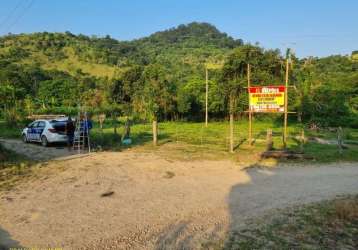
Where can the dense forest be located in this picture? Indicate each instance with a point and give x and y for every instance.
(162, 76)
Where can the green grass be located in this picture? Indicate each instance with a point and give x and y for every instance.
(216, 135)
(215, 138)
(13, 131)
(325, 225)
(330, 153)
(71, 64)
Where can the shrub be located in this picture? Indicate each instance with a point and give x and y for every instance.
(13, 116)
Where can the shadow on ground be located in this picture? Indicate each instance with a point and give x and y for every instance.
(241, 206)
(6, 241)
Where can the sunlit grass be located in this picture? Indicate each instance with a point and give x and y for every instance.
(214, 139)
(72, 64)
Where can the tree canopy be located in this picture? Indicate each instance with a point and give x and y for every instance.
(164, 75)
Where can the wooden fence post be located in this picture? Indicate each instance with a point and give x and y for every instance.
(231, 133)
(269, 142)
(340, 140)
(155, 132)
(302, 140)
(101, 118)
(114, 120)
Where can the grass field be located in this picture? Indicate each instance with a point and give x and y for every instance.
(215, 138)
(323, 225)
(13, 131)
(71, 64)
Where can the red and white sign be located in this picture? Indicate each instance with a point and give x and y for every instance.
(267, 99)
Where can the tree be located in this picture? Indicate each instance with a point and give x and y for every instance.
(157, 94)
(234, 80)
(106, 73)
(190, 97)
(58, 92)
(124, 90)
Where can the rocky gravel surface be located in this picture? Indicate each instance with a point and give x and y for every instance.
(155, 203)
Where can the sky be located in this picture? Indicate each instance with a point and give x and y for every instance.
(310, 28)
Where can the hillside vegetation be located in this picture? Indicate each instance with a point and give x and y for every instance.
(162, 76)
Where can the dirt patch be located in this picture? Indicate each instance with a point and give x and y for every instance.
(155, 203)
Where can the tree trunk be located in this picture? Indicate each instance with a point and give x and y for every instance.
(127, 129)
(114, 120)
(299, 116)
(155, 132)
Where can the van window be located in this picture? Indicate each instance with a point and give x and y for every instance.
(32, 125)
(41, 124)
(59, 125)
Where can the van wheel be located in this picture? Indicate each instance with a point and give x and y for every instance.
(44, 141)
(24, 138)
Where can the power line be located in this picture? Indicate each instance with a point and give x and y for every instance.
(21, 15)
(8, 17)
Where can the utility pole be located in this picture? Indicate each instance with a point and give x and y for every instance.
(206, 96)
(250, 114)
(286, 100)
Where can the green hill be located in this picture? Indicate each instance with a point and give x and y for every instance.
(56, 51)
(193, 44)
(165, 73)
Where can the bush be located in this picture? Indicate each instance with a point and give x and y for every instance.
(352, 122)
(13, 117)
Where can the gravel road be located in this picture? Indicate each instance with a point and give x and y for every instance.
(35, 151)
(132, 200)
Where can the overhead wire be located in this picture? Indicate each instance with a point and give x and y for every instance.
(11, 13)
(21, 15)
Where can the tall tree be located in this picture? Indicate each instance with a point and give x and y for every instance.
(234, 80)
(157, 95)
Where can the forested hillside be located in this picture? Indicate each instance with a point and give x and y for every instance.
(163, 76)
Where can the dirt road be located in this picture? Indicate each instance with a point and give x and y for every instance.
(132, 200)
(35, 151)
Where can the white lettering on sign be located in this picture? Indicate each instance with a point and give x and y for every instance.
(270, 90)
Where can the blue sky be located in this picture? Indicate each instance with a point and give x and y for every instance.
(316, 27)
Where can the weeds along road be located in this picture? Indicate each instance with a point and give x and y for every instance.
(154, 202)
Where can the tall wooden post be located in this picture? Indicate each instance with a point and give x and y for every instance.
(231, 124)
(340, 140)
(269, 142)
(250, 113)
(114, 120)
(302, 140)
(231, 132)
(155, 131)
(206, 96)
(286, 102)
